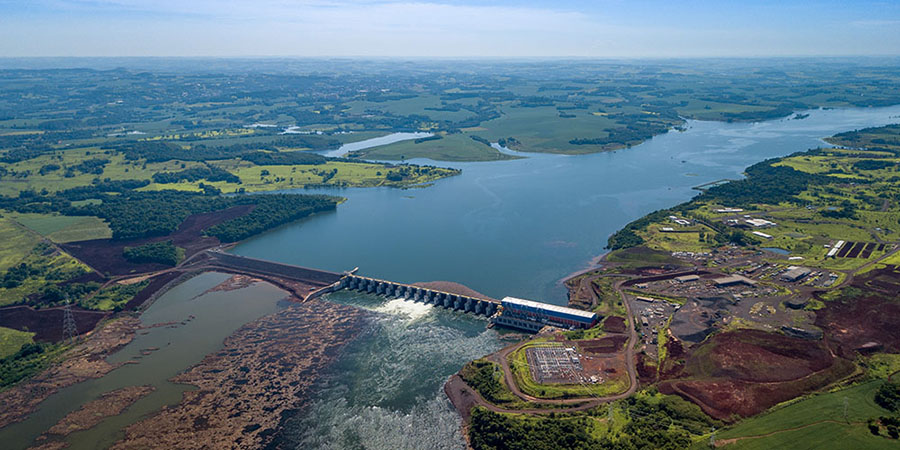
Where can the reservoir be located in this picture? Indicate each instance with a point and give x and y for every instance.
(503, 228)
(374, 142)
(518, 227)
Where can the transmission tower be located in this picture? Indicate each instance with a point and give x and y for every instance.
(69, 329)
(712, 438)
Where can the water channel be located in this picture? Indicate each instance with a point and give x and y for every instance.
(503, 228)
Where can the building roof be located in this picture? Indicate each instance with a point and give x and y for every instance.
(796, 272)
(734, 279)
(546, 306)
(760, 222)
(686, 278)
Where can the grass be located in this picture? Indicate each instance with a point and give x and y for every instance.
(12, 340)
(15, 243)
(62, 229)
(453, 147)
(808, 413)
(822, 436)
(117, 295)
(881, 365)
(59, 266)
(518, 363)
(268, 178)
(118, 169)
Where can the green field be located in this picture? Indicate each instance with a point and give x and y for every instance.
(116, 295)
(541, 129)
(453, 147)
(12, 340)
(62, 229)
(348, 174)
(15, 243)
(817, 422)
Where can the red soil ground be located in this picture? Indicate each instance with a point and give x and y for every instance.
(744, 372)
(646, 370)
(47, 323)
(608, 344)
(156, 283)
(871, 317)
(105, 255)
(614, 324)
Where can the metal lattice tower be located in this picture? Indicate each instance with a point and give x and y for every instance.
(712, 438)
(69, 329)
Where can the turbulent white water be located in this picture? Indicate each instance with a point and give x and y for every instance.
(386, 392)
(405, 307)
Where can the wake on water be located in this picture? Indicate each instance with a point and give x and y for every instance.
(386, 391)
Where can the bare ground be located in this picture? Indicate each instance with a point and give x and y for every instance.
(263, 371)
(85, 361)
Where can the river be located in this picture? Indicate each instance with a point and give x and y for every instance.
(518, 227)
(503, 228)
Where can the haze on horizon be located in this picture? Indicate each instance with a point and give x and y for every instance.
(466, 28)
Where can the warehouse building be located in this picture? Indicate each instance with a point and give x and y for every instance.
(795, 273)
(733, 280)
(532, 316)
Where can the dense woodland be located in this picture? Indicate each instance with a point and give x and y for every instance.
(163, 252)
(667, 424)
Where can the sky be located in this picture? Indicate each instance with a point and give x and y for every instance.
(449, 29)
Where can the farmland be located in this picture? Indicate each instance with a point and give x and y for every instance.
(828, 420)
(770, 302)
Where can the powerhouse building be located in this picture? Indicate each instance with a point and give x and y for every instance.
(532, 316)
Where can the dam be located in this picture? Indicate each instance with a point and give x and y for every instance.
(331, 282)
(447, 300)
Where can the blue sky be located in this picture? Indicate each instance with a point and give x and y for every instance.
(468, 28)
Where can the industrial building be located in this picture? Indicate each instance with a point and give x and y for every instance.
(733, 280)
(687, 278)
(532, 316)
(760, 223)
(795, 273)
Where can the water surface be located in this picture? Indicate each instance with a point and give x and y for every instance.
(503, 228)
(201, 322)
(374, 142)
(518, 227)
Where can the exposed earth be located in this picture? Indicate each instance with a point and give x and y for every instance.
(85, 361)
(262, 371)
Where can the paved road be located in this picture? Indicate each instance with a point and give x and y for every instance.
(579, 404)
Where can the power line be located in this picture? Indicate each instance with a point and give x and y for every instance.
(69, 329)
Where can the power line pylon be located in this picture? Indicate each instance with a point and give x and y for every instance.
(69, 329)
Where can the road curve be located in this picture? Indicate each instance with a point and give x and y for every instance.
(581, 404)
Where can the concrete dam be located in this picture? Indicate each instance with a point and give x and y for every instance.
(332, 282)
(443, 299)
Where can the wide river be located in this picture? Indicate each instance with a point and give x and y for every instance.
(503, 228)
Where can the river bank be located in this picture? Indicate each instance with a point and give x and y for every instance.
(261, 371)
(87, 360)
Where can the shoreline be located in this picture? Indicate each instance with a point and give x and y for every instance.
(241, 397)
